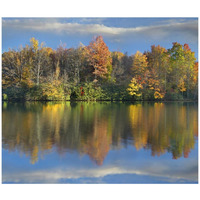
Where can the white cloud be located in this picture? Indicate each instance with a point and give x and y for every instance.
(178, 28)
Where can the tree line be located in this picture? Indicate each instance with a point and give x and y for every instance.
(37, 72)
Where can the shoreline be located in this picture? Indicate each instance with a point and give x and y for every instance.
(152, 101)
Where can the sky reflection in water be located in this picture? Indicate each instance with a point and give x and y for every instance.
(99, 143)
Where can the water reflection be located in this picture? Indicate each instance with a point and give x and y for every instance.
(164, 128)
(160, 173)
(94, 129)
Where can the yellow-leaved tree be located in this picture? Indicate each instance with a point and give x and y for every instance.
(135, 88)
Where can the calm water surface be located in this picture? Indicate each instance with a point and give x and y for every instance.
(99, 142)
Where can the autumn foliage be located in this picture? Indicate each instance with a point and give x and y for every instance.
(93, 72)
(99, 57)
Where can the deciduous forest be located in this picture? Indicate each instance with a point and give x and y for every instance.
(36, 72)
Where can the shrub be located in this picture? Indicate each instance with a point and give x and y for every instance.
(15, 93)
(5, 97)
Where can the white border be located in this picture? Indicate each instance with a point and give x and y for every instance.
(100, 8)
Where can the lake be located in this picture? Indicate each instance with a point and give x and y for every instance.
(100, 142)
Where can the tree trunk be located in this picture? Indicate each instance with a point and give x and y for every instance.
(38, 74)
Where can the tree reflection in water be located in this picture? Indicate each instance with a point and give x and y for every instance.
(36, 128)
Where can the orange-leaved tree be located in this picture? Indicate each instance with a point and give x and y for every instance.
(100, 58)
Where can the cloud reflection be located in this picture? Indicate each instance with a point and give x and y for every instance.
(162, 172)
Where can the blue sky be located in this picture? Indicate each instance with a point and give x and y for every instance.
(120, 34)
